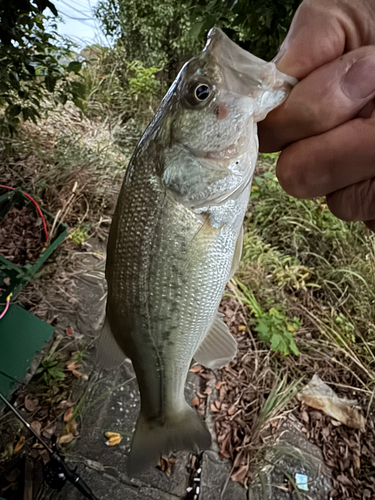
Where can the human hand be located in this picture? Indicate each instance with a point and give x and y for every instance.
(326, 127)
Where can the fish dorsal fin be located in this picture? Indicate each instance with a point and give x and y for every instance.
(237, 254)
(109, 355)
(218, 347)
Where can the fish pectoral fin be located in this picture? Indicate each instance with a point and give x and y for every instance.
(108, 354)
(218, 347)
(237, 254)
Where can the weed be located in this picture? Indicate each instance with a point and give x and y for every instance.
(275, 327)
(308, 252)
(51, 371)
(79, 235)
(78, 356)
(272, 326)
(143, 85)
(281, 394)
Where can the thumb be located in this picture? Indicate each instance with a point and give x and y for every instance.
(326, 98)
(316, 36)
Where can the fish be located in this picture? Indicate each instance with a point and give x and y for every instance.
(176, 238)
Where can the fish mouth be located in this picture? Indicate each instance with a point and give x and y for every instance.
(229, 153)
(247, 75)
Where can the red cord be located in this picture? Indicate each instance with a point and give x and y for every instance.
(36, 206)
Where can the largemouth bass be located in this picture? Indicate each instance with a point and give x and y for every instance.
(176, 237)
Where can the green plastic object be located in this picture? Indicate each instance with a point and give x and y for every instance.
(16, 275)
(22, 336)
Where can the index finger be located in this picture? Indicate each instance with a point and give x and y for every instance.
(321, 31)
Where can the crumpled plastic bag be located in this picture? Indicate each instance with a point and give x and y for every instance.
(320, 396)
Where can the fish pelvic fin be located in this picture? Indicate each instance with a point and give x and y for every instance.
(179, 431)
(109, 356)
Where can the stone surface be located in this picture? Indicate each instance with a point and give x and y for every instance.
(111, 403)
(293, 454)
(215, 480)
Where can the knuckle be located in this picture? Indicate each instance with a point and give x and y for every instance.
(293, 177)
(337, 204)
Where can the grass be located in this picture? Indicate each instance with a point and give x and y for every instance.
(305, 276)
(298, 256)
(74, 164)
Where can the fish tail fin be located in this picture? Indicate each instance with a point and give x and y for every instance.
(179, 431)
(108, 353)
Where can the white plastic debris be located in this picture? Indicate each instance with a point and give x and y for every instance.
(302, 482)
(320, 396)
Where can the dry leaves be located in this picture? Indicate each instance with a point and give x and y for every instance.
(349, 453)
(195, 402)
(19, 444)
(239, 397)
(70, 432)
(30, 403)
(196, 369)
(65, 439)
(166, 465)
(74, 367)
(21, 236)
(113, 438)
(69, 331)
(68, 414)
(36, 426)
(320, 396)
(245, 385)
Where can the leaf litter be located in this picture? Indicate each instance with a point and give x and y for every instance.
(21, 236)
(247, 420)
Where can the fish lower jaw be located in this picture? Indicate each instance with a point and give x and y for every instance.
(230, 153)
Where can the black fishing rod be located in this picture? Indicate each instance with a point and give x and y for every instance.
(56, 472)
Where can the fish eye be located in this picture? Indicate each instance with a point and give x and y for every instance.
(202, 92)
(199, 93)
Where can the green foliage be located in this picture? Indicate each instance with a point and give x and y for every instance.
(143, 84)
(259, 26)
(295, 224)
(31, 68)
(120, 90)
(78, 356)
(79, 235)
(281, 394)
(273, 326)
(286, 270)
(297, 253)
(164, 32)
(51, 371)
(156, 33)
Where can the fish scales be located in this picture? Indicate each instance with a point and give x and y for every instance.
(176, 237)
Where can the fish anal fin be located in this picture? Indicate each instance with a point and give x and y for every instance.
(109, 355)
(218, 347)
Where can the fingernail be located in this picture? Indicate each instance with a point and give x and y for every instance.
(359, 80)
